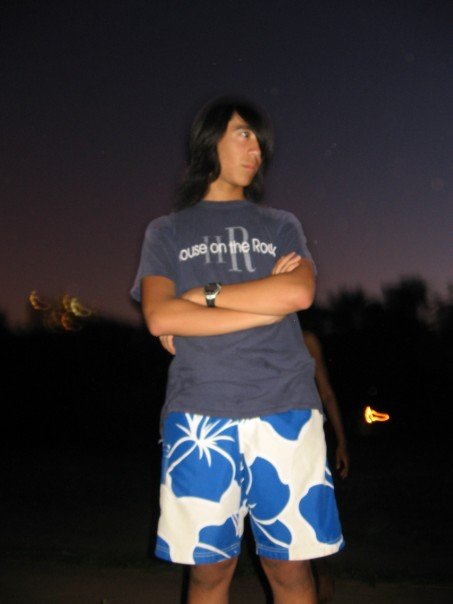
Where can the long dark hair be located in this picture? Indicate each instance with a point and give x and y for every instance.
(207, 129)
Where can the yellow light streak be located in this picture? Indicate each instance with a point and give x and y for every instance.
(372, 416)
(36, 302)
(66, 302)
(78, 309)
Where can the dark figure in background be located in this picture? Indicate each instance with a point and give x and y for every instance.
(220, 282)
(324, 580)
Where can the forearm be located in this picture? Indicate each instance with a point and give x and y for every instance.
(333, 413)
(279, 294)
(341, 453)
(183, 318)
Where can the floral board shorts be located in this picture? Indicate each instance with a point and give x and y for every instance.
(215, 471)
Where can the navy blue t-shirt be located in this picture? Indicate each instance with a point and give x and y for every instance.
(249, 373)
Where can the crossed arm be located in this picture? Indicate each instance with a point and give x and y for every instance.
(289, 288)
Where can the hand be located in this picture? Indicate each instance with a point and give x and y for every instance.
(286, 263)
(167, 343)
(342, 460)
(273, 319)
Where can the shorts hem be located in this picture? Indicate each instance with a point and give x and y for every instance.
(273, 554)
(164, 554)
(284, 554)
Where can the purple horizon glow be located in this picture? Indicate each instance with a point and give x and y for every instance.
(96, 104)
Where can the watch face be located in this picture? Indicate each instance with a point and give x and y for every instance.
(212, 288)
(210, 292)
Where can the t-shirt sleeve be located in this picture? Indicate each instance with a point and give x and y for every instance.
(157, 256)
(291, 238)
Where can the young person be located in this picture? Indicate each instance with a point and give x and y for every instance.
(323, 578)
(329, 401)
(220, 281)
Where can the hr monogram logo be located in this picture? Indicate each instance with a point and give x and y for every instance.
(238, 244)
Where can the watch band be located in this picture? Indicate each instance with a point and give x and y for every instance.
(211, 291)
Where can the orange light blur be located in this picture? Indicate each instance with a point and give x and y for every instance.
(68, 323)
(372, 416)
(63, 313)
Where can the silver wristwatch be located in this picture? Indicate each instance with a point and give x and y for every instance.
(211, 291)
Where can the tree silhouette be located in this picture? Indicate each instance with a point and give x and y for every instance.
(104, 385)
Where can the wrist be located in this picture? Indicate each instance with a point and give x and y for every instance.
(211, 291)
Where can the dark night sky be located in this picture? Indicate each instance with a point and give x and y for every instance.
(96, 102)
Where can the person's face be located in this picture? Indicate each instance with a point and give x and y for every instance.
(239, 156)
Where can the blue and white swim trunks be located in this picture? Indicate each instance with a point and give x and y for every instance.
(215, 471)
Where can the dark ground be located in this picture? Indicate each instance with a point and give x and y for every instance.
(69, 584)
(80, 459)
(77, 527)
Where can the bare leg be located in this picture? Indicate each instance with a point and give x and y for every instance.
(210, 583)
(325, 582)
(291, 581)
